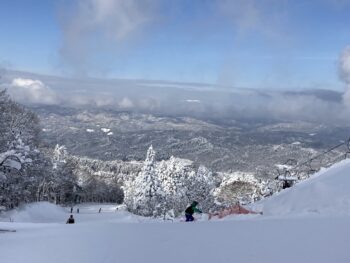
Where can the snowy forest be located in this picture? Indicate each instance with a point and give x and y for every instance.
(30, 171)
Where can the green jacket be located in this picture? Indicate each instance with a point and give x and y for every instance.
(192, 209)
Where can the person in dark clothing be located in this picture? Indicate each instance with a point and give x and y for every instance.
(70, 220)
(71, 210)
(191, 210)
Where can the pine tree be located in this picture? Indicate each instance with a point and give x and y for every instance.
(144, 195)
(199, 187)
(166, 188)
(173, 175)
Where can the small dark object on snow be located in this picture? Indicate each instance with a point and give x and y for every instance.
(70, 220)
(71, 210)
(7, 230)
(100, 210)
(78, 210)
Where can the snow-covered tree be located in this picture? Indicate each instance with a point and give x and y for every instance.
(63, 180)
(145, 194)
(18, 148)
(241, 188)
(59, 156)
(29, 174)
(176, 177)
(166, 188)
(201, 186)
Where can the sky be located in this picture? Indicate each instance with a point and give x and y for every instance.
(275, 44)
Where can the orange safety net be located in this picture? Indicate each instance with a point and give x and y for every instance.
(233, 210)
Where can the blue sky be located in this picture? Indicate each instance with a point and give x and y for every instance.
(244, 43)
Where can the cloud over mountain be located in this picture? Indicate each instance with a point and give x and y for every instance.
(30, 91)
(178, 99)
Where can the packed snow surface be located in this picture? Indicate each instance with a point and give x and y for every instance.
(42, 212)
(307, 223)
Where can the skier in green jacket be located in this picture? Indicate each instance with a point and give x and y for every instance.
(191, 210)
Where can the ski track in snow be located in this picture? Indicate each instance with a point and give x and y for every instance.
(307, 223)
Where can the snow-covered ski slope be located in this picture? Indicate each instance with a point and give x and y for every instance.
(327, 193)
(308, 223)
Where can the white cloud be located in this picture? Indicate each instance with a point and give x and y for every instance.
(32, 91)
(103, 100)
(96, 25)
(253, 16)
(126, 103)
(344, 65)
(25, 83)
(344, 73)
(116, 18)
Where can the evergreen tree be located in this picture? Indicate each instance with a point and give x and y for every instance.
(147, 193)
(166, 188)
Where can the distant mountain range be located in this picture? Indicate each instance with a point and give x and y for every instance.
(254, 147)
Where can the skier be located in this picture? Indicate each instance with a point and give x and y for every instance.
(70, 220)
(191, 210)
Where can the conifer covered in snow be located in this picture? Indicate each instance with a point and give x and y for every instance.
(146, 194)
(166, 188)
(59, 156)
(173, 175)
(18, 148)
(201, 187)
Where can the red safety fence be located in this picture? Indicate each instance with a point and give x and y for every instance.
(233, 210)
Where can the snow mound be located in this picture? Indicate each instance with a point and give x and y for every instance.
(326, 193)
(41, 212)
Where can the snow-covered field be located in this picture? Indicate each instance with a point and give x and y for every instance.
(308, 223)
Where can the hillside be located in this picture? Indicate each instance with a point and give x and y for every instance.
(221, 144)
(325, 193)
(307, 223)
